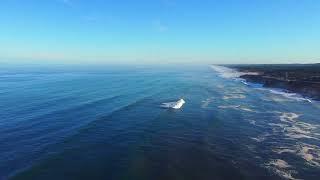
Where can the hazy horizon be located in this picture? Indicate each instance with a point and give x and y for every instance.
(159, 32)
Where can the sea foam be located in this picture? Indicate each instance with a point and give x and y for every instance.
(229, 73)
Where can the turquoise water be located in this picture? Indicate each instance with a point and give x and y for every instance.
(106, 123)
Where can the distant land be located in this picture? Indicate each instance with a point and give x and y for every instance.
(297, 78)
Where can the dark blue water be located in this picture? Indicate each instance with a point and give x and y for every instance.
(106, 123)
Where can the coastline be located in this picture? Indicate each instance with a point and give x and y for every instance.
(303, 79)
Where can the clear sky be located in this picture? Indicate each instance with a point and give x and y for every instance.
(160, 31)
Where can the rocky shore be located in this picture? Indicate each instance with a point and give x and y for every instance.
(298, 78)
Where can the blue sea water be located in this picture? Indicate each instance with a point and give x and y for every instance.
(106, 123)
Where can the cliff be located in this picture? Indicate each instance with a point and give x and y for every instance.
(299, 78)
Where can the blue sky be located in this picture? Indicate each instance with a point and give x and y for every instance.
(160, 31)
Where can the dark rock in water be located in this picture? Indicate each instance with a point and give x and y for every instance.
(299, 78)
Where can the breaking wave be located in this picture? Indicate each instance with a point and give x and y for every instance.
(228, 72)
(293, 96)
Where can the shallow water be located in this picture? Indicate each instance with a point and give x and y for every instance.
(106, 123)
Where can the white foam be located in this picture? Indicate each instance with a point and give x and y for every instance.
(279, 163)
(237, 107)
(234, 96)
(284, 174)
(310, 153)
(220, 86)
(206, 102)
(307, 125)
(258, 139)
(229, 107)
(292, 128)
(246, 109)
(261, 138)
(245, 82)
(280, 125)
(281, 168)
(281, 150)
(295, 129)
(288, 117)
(253, 122)
(229, 73)
(293, 96)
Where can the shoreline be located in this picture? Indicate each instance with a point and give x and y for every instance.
(303, 79)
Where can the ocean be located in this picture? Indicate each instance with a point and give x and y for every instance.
(106, 122)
